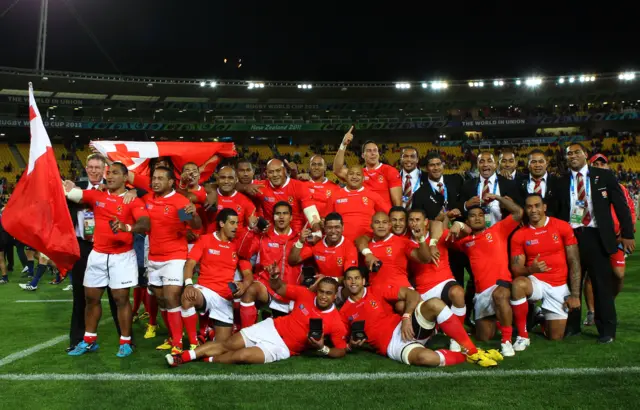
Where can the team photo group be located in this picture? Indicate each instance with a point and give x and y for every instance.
(249, 270)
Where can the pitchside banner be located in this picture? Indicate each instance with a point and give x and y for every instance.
(405, 125)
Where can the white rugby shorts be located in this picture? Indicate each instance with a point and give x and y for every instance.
(264, 336)
(483, 303)
(552, 298)
(166, 273)
(117, 271)
(436, 291)
(218, 307)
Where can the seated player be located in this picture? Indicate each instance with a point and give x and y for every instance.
(393, 252)
(435, 280)
(112, 262)
(271, 247)
(272, 340)
(540, 255)
(403, 338)
(218, 258)
(487, 252)
(333, 255)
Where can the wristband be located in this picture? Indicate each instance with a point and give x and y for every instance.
(325, 350)
(298, 244)
(342, 147)
(127, 228)
(366, 251)
(422, 239)
(317, 234)
(433, 242)
(462, 226)
(188, 282)
(406, 316)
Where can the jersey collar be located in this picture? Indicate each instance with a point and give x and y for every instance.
(331, 309)
(363, 295)
(286, 182)
(324, 241)
(227, 196)
(385, 239)
(357, 190)
(545, 223)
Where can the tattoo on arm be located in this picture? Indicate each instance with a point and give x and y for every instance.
(575, 270)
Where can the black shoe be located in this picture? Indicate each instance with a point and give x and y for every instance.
(605, 340)
(572, 332)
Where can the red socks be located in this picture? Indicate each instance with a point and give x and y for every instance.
(174, 317)
(450, 324)
(125, 340)
(188, 355)
(449, 358)
(248, 314)
(152, 306)
(459, 313)
(90, 337)
(507, 333)
(520, 309)
(137, 299)
(190, 320)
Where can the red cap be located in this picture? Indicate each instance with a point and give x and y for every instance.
(598, 157)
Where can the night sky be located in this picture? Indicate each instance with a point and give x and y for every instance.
(301, 42)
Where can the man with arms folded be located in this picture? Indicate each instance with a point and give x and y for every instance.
(356, 204)
(278, 339)
(487, 252)
(171, 214)
(381, 178)
(540, 255)
(112, 262)
(403, 338)
(218, 257)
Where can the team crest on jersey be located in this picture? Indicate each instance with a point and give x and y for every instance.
(555, 237)
(365, 200)
(373, 304)
(234, 256)
(290, 200)
(119, 209)
(380, 178)
(339, 261)
(166, 209)
(328, 193)
(489, 237)
(389, 250)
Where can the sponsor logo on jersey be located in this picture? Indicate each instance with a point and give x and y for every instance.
(321, 258)
(303, 309)
(100, 204)
(532, 242)
(273, 245)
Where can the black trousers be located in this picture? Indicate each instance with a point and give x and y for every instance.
(595, 261)
(76, 333)
(8, 251)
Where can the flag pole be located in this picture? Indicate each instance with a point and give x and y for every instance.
(42, 36)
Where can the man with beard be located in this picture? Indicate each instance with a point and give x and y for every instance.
(218, 258)
(381, 178)
(112, 263)
(356, 204)
(272, 247)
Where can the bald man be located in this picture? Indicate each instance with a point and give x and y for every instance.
(356, 204)
(319, 185)
(296, 193)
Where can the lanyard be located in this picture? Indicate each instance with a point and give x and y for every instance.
(495, 187)
(445, 194)
(587, 186)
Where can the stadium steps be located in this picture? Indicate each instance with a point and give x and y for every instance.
(22, 163)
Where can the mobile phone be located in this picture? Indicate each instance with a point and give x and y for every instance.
(357, 331)
(308, 276)
(376, 266)
(184, 216)
(262, 224)
(315, 329)
(622, 249)
(233, 287)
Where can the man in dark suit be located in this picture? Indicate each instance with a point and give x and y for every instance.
(437, 193)
(84, 223)
(509, 165)
(541, 182)
(587, 194)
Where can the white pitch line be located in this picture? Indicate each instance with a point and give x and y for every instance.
(44, 300)
(427, 374)
(35, 349)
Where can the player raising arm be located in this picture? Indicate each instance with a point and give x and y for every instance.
(540, 255)
(272, 340)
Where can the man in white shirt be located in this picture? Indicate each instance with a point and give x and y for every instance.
(540, 181)
(410, 175)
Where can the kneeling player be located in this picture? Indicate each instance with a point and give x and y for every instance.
(402, 338)
(272, 340)
(213, 293)
(540, 254)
